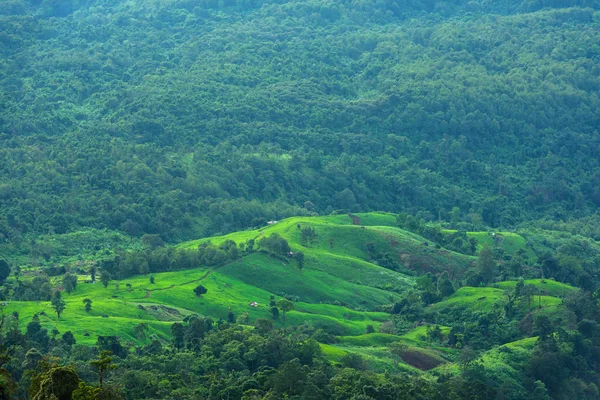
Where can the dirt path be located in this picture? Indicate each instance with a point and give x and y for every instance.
(206, 275)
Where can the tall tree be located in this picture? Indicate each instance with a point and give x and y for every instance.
(299, 257)
(486, 264)
(88, 304)
(177, 335)
(69, 282)
(103, 364)
(93, 271)
(58, 303)
(4, 270)
(444, 285)
(105, 278)
(285, 306)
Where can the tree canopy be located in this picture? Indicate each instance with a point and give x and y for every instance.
(477, 112)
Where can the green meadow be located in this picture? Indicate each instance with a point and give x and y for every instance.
(546, 286)
(340, 288)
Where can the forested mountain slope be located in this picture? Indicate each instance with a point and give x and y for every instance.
(185, 118)
(152, 150)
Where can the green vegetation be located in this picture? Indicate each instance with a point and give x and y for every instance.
(187, 196)
(338, 289)
(546, 286)
(472, 113)
(370, 298)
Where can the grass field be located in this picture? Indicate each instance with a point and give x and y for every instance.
(545, 286)
(510, 242)
(339, 289)
(484, 299)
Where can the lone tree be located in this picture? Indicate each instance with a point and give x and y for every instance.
(103, 363)
(177, 335)
(105, 278)
(140, 331)
(299, 256)
(467, 357)
(275, 312)
(69, 282)
(93, 271)
(88, 304)
(486, 264)
(285, 305)
(200, 290)
(58, 303)
(4, 271)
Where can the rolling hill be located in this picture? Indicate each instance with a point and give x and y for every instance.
(340, 289)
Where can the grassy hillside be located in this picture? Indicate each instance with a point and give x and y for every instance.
(545, 286)
(509, 242)
(129, 129)
(483, 299)
(339, 289)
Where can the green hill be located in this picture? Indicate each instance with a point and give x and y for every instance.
(361, 291)
(340, 286)
(206, 172)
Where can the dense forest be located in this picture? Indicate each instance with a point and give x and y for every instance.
(185, 118)
(207, 360)
(133, 134)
